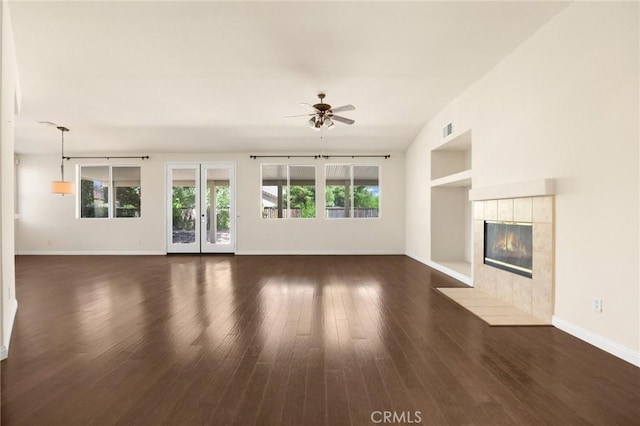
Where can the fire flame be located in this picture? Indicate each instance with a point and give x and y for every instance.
(511, 244)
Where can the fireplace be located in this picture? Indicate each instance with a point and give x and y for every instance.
(508, 246)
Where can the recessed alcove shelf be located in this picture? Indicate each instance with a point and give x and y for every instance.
(451, 218)
(462, 178)
(460, 141)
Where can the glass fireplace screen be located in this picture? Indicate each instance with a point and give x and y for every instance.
(509, 246)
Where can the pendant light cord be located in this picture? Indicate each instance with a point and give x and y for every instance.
(62, 158)
(62, 129)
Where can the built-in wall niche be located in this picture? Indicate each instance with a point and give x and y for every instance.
(451, 216)
(451, 160)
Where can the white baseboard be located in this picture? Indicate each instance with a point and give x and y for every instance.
(615, 349)
(448, 271)
(89, 253)
(418, 258)
(13, 310)
(316, 252)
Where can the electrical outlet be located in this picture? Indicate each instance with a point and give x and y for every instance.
(597, 304)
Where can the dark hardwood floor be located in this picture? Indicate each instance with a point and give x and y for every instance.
(286, 340)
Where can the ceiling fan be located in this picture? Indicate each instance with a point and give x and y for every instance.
(323, 115)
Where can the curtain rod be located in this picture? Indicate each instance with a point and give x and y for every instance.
(143, 157)
(385, 156)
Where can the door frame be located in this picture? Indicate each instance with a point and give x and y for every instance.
(198, 167)
(222, 248)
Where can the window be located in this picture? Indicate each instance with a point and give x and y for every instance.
(352, 191)
(100, 184)
(288, 191)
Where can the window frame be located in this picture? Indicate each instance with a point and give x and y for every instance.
(351, 192)
(287, 200)
(111, 203)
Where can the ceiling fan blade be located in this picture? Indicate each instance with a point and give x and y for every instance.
(300, 115)
(344, 108)
(342, 119)
(309, 106)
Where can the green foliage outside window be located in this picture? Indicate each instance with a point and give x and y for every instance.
(223, 221)
(303, 197)
(128, 201)
(184, 200)
(363, 197)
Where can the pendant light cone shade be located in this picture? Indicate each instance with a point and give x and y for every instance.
(61, 186)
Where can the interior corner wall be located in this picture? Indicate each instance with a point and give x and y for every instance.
(9, 82)
(564, 105)
(48, 223)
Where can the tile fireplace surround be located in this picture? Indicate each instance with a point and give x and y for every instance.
(531, 295)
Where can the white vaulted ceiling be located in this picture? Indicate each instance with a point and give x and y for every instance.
(220, 76)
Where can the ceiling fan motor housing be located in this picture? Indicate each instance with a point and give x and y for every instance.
(322, 107)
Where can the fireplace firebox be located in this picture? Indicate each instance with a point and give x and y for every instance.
(509, 246)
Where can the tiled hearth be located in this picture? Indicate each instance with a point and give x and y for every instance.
(533, 296)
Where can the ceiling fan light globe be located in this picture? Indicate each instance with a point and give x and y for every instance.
(328, 123)
(312, 122)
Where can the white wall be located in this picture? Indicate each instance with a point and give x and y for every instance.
(10, 94)
(563, 105)
(48, 223)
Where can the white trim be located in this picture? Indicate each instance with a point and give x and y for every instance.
(182, 248)
(317, 252)
(533, 188)
(13, 310)
(460, 179)
(615, 349)
(418, 258)
(90, 253)
(441, 268)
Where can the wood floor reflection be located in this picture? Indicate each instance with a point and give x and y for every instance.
(285, 340)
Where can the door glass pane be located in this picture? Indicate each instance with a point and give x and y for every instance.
(94, 191)
(184, 206)
(218, 229)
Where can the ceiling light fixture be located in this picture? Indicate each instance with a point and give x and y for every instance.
(323, 115)
(317, 122)
(61, 186)
(328, 123)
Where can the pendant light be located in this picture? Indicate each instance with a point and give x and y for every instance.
(61, 186)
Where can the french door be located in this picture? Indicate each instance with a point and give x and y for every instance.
(201, 208)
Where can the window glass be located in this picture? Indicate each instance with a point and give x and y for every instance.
(337, 198)
(366, 191)
(302, 191)
(274, 191)
(109, 191)
(94, 191)
(126, 185)
(288, 191)
(352, 191)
